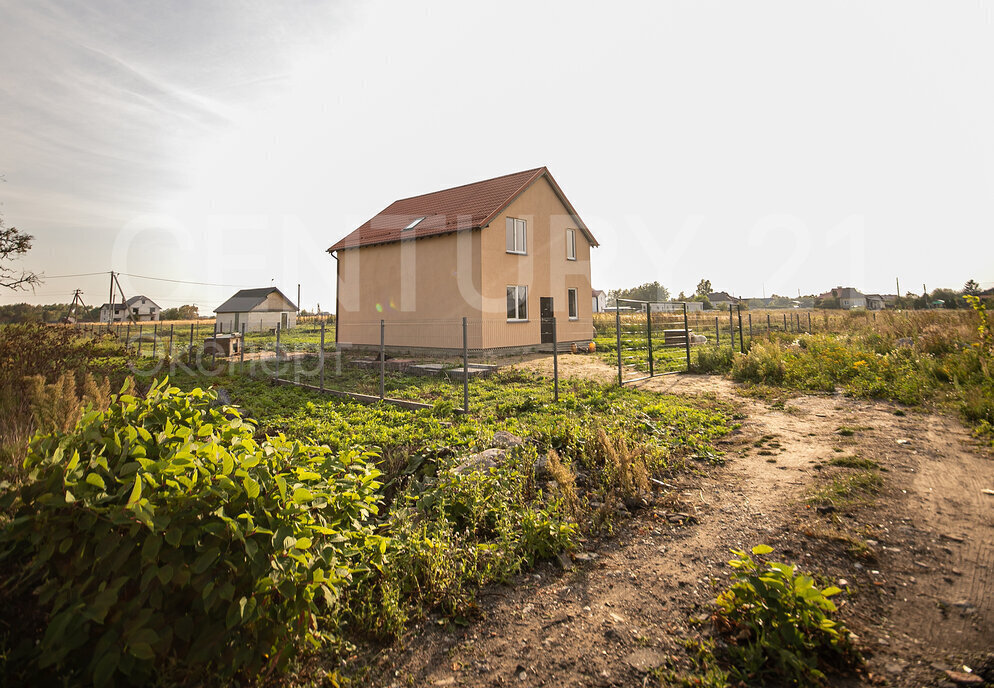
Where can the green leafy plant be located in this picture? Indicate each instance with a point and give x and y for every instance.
(160, 536)
(780, 623)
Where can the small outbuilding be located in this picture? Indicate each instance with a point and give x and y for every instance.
(258, 310)
(598, 300)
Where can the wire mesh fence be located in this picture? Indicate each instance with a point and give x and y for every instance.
(414, 363)
(422, 361)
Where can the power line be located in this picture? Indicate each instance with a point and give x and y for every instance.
(84, 274)
(164, 279)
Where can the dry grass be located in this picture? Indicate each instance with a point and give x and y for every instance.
(625, 472)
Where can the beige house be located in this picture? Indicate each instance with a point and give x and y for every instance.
(138, 308)
(507, 253)
(256, 310)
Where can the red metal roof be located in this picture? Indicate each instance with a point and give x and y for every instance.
(470, 206)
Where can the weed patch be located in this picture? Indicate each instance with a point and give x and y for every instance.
(853, 462)
(778, 624)
(848, 490)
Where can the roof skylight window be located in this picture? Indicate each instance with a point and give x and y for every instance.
(414, 223)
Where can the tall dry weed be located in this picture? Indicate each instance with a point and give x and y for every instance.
(624, 472)
(566, 480)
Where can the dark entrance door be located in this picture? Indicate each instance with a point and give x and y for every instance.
(546, 313)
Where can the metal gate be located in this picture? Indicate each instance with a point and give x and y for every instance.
(651, 338)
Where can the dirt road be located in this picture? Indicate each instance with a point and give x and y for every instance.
(917, 562)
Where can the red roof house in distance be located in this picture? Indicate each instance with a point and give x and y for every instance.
(505, 253)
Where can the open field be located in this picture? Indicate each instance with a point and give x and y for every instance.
(589, 554)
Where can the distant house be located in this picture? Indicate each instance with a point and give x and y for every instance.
(257, 310)
(509, 254)
(874, 302)
(141, 309)
(720, 299)
(849, 297)
(599, 300)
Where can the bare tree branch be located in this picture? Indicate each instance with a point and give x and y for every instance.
(13, 244)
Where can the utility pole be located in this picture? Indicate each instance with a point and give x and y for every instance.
(298, 298)
(110, 302)
(77, 301)
(124, 299)
(897, 281)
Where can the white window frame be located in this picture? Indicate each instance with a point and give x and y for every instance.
(570, 244)
(573, 303)
(518, 289)
(516, 236)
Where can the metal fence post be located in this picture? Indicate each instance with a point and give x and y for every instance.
(127, 337)
(555, 361)
(241, 352)
(191, 342)
(717, 333)
(785, 323)
(465, 366)
(321, 358)
(170, 353)
(140, 341)
(383, 357)
(750, 328)
(742, 345)
(278, 351)
(809, 320)
(769, 327)
(648, 334)
(731, 326)
(686, 335)
(214, 346)
(155, 339)
(617, 331)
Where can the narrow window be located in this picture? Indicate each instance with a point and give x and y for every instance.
(571, 300)
(415, 223)
(516, 235)
(517, 303)
(570, 244)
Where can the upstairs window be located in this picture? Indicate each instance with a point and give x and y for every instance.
(414, 223)
(517, 236)
(570, 244)
(517, 303)
(573, 306)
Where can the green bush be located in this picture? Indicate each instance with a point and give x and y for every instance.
(780, 623)
(159, 537)
(714, 359)
(764, 363)
(468, 530)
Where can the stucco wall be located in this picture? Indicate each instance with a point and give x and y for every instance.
(255, 321)
(544, 270)
(422, 289)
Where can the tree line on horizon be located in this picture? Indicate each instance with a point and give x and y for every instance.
(56, 312)
(949, 298)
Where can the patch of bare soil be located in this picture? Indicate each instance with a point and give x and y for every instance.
(588, 366)
(916, 560)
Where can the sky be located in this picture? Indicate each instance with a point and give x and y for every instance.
(770, 147)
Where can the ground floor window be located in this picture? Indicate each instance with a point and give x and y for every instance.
(573, 306)
(517, 303)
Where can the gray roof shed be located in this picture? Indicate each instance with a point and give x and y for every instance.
(247, 300)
